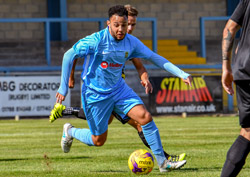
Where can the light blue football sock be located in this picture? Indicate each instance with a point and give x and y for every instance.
(152, 136)
(84, 135)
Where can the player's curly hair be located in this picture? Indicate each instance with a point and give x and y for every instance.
(120, 10)
(132, 11)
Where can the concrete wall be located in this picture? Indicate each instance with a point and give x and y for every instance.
(22, 9)
(176, 18)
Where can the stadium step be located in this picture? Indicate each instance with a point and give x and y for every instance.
(177, 54)
(170, 48)
(188, 60)
(162, 42)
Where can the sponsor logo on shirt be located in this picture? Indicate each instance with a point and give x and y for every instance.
(105, 65)
(115, 65)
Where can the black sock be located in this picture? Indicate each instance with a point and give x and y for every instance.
(78, 112)
(236, 157)
(68, 111)
(166, 154)
(141, 135)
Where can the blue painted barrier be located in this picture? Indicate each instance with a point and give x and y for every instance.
(203, 34)
(203, 46)
(101, 22)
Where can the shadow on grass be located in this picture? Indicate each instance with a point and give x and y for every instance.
(185, 170)
(76, 157)
(42, 158)
(110, 171)
(14, 159)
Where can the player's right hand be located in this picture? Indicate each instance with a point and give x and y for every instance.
(227, 81)
(56, 112)
(59, 98)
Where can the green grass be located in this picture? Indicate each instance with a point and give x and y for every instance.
(32, 148)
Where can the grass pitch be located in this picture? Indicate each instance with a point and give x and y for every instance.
(32, 148)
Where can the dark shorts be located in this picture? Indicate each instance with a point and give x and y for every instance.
(243, 101)
(118, 117)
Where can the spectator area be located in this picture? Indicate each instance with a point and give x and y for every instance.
(177, 54)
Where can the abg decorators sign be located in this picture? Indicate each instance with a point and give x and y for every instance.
(28, 95)
(172, 95)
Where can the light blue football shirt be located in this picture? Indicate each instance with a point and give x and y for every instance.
(107, 58)
(104, 59)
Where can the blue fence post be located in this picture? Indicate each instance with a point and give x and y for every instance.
(47, 25)
(230, 103)
(203, 33)
(154, 34)
(47, 42)
(202, 38)
(101, 25)
(63, 14)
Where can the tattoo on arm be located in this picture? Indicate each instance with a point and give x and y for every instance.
(227, 46)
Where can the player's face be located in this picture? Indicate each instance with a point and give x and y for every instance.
(118, 26)
(131, 24)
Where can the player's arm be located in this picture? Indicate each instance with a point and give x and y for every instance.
(229, 33)
(72, 75)
(142, 51)
(168, 66)
(143, 74)
(68, 58)
(79, 50)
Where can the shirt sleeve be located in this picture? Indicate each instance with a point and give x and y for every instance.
(140, 50)
(168, 66)
(68, 58)
(239, 12)
(86, 45)
(81, 49)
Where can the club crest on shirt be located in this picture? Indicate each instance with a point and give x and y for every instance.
(126, 54)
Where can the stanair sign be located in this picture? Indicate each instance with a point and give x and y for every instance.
(172, 95)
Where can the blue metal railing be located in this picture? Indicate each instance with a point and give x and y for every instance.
(101, 22)
(203, 46)
(203, 33)
(58, 68)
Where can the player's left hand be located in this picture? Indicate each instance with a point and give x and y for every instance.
(188, 81)
(71, 82)
(56, 112)
(147, 85)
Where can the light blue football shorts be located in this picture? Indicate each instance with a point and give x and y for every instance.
(98, 107)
